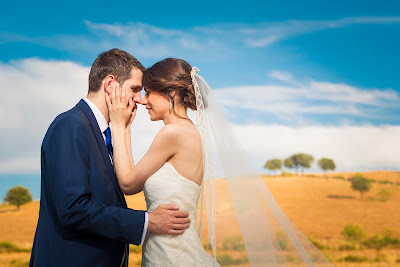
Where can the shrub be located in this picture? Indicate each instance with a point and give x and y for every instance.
(8, 247)
(380, 257)
(226, 259)
(135, 249)
(287, 174)
(380, 241)
(353, 232)
(233, 242)
(339, 177)
(352, 258)
(19, 263)
(351, 246)
(384, 195)
(283, 244)
(316, 243)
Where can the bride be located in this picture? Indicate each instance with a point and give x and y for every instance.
(181, 156)
(172, 169)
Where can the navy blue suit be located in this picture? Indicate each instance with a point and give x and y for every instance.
(83, 217)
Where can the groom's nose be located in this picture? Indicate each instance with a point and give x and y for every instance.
(137, 98)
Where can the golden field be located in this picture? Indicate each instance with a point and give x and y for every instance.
(321, 205)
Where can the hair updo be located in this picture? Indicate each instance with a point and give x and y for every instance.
(172, 74)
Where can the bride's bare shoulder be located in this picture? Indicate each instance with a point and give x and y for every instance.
(169, 130)
(168, 134)
(177, 132)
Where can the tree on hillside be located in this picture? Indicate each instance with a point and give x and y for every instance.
(299, 160)
(288, 163)
(18, 196)
(326, 164)
(273, 164)
(359, 183)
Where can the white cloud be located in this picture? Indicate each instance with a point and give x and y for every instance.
(263, 41)
(265, 34)
(281, 76)
(211, 42)
(351, 94)
(310, 98)
(145, 40)
(34, 91)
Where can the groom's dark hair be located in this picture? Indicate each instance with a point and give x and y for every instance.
(116, 62)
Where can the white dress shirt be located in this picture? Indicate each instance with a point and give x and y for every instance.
(103, 125)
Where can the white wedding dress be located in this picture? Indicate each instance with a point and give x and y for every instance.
(167, 186)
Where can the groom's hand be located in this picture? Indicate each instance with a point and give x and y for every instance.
(168, 220)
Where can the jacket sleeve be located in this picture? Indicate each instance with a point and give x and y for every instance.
(67, 167)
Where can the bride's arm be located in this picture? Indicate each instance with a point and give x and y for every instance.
(129, 142)
(163, 147)
(131, 177)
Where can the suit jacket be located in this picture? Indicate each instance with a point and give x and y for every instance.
(83, 217)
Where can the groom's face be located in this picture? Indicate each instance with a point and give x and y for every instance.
(133, 86)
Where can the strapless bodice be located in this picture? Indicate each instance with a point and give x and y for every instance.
(167, 186)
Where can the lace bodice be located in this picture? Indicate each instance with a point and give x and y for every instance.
(167, 186)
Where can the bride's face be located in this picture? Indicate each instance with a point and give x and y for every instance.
(157, 104)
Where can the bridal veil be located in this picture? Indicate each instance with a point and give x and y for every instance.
(269, 237)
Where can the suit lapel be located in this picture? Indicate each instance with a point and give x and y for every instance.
(103, 148)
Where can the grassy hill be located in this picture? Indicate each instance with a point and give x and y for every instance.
(320, 205)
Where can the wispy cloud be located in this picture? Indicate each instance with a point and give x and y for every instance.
(211, 41)
(295, 100)
(265, 34)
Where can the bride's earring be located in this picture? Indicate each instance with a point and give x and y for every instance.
(170, 105)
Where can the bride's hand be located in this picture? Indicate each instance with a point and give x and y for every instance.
(120, 111)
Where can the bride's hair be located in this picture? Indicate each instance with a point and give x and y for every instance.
(171, 74)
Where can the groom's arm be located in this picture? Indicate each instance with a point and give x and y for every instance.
(68, 171)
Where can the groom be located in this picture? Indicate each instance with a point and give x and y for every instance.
(83, 217)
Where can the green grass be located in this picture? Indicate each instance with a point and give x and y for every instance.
(380, 241)
(347, 246)
(233, 242)
(317, 244)
(7, 247)
(19, 263)
(352, 258)
(226, 259)
(135, 249)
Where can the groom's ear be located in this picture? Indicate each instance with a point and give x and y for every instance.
(108, 82)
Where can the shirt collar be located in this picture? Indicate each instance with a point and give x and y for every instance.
(101, 120)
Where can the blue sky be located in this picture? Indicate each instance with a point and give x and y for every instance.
(278, 67)
(363, 53)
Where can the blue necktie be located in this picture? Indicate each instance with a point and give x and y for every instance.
(107, 134)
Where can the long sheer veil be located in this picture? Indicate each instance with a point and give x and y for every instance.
(269, 237)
